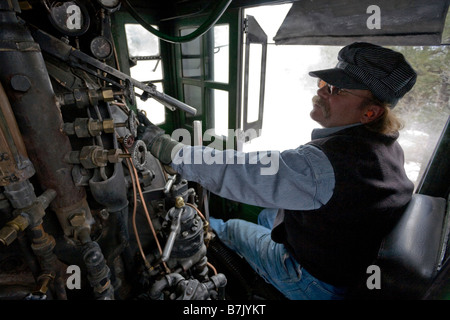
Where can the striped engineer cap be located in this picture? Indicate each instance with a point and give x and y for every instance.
(383, 71)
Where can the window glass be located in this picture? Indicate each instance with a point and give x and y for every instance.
(143, 49)
(219, 57)
(193, 97)
(190, 55)
(154, 110)
(147, 70)
(220, 102)
(140, 41)
(425, 109)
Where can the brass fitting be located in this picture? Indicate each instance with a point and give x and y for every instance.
(179, 202)
(108, 125)
(43, 283)
(91, 157)
(107, 94)
(85, 127)
(77, 219)
(27, 217)
(9, 232)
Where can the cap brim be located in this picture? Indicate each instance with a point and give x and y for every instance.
(339, 78)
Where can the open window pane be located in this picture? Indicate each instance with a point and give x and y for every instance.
(254, 77)
(254, 82)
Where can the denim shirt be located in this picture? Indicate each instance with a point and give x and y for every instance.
(296, 179)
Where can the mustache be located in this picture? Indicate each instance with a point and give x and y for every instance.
(319, 101)
(316, 100)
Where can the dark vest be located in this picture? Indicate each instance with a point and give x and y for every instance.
(337, 242)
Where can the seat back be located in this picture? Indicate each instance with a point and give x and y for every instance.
(411, 253)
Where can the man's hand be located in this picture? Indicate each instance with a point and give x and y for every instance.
(160, 145)
(147, 131)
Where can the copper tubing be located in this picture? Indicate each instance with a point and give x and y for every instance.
(14, 163)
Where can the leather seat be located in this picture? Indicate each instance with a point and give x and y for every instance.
(411, 254)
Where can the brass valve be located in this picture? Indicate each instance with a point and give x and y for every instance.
(86, 127)
(9, 232)
(28, 217)
(91, 157)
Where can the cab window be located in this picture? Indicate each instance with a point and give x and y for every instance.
(146, 66)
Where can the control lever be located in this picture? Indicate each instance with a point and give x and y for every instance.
(175, 215)
(69, 54)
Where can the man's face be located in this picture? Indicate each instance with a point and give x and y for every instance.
(339, 108)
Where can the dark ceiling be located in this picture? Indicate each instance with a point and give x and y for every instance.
(389, 22)
(332, 22)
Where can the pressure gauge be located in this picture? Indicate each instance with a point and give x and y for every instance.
(101, 47)
(69, 17)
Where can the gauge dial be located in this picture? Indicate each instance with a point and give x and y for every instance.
(101, 47)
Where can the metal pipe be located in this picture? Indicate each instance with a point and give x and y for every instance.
(24, 77)
(51, 270)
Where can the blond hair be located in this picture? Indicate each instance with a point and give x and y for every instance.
(388, 123)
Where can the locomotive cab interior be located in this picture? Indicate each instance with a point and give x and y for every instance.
(87, 213)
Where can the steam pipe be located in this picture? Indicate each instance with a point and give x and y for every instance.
(26, 82)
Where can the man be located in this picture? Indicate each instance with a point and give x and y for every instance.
(332, 200)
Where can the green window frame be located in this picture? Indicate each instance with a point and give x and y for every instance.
(198, 83)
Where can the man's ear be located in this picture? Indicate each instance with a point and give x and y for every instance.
(371, 113)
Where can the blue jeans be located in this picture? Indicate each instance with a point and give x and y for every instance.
(271, 260)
